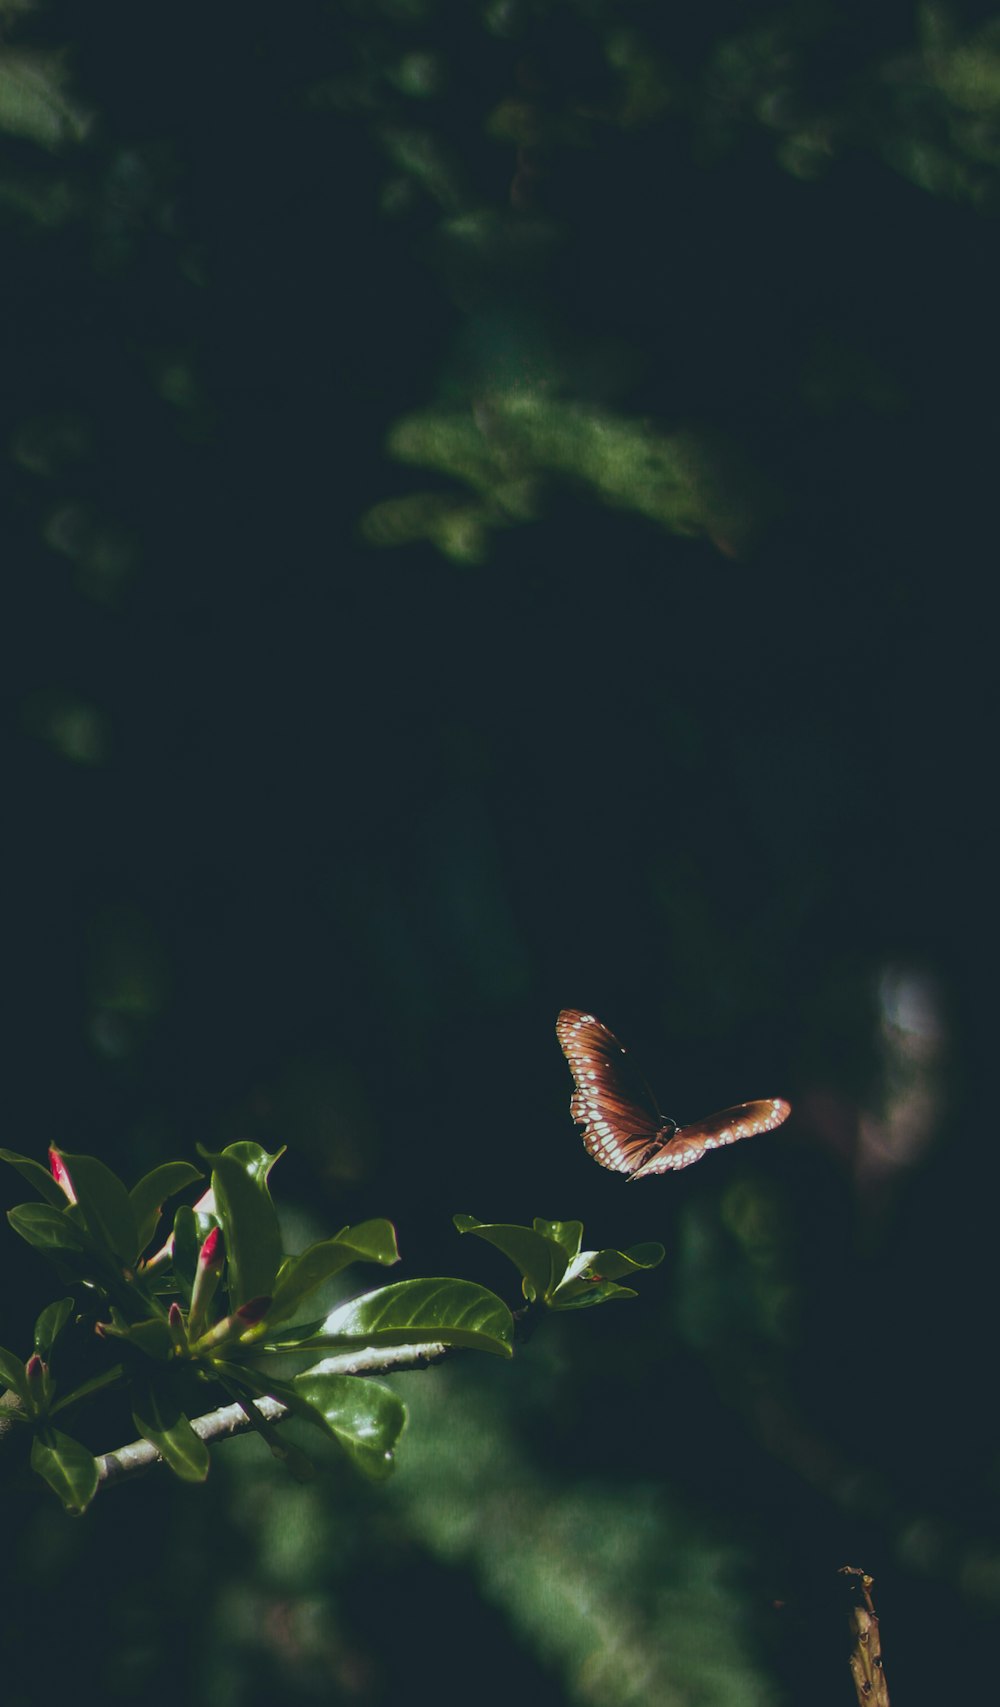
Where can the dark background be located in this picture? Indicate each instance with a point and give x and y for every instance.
(335, 768)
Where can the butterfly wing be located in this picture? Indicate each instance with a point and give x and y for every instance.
(612, 1101)
(689, 1143)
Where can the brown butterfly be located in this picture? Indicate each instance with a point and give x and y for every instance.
(623, 1128)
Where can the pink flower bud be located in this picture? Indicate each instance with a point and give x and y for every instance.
(212, 1253)
(60, 1173)
(175, 1315)
(36, 1373)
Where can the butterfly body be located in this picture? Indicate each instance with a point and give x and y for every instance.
(623, 1127)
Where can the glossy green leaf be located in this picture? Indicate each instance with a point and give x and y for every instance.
(568, 1234)
(160, 1420)
(249, 1223)
(585, 1293)
(611, 1265)
(152, 1191)
(186, 1247)
(245, 1385)
(253, 1158)
(590, 1277)
(541, 1261)
(36, 1175)
(67, 1466)
(104, 1204)
(455, 1312)
(48, 1229)
(371, 1241)
(51, 1323)
(364, 1416)
(12, 1373)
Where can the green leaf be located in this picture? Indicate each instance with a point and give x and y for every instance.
(589, 1278)
(568, 1234)
(51, 1323)
(67, 1466)
(541, 1260)
(48, 1229)
(590, 1292)
(244, 1386)
(611, 1265)
(152, 1337)
(12, 1373)
(104, 1204)
(364, 1416)
(160, 1420)
(650, 1254)
(372, 1241)
(415, 1312)
(249, 1222)
(37, 1176)
(253, 1158)
(152, 1191)
(186, 1247)
(287, 1339)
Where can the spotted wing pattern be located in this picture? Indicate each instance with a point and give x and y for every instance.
(623, 1128)
(689, 1143)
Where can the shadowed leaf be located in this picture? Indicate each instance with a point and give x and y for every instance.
(67, 1466)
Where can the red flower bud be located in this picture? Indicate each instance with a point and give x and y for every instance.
(178, 1328)
(60, 1173)
(212, 1253)
(36, 1374)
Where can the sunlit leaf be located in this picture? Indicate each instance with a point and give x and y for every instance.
(371, 1241)
(249, 1222)
(541, 1261)
(160, 1420)
(152, 1191)
(253, 1158)
(454, 1312)
(364, 1416)
(568, 1234)
(591, 1275)
(585, 1293)
(67, 1466)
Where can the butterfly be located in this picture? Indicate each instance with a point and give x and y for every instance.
(623, 1128)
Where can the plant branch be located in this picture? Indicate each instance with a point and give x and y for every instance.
(232, 1419)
